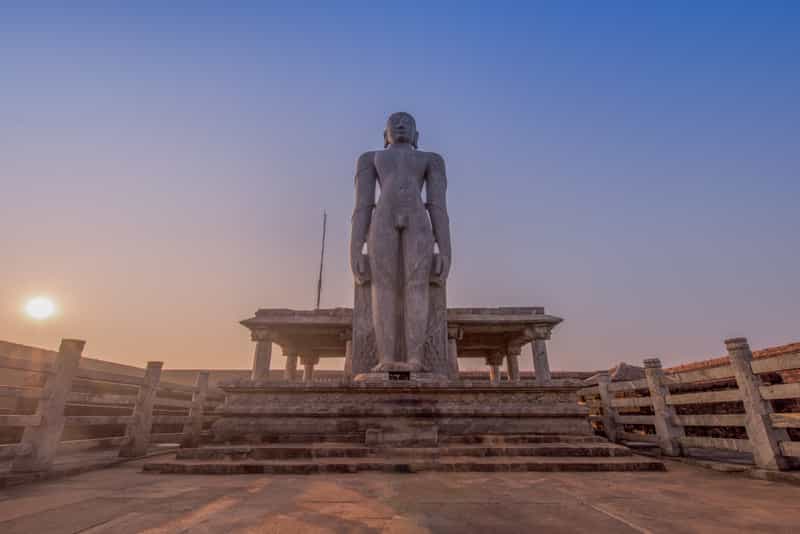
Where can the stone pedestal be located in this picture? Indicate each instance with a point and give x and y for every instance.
(437, 359)
(393, 412)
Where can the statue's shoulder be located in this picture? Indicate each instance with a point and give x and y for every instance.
(366, 163)
(434, 159)
(367, 158)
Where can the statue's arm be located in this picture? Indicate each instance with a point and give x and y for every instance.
(436, 195)
(366, 179)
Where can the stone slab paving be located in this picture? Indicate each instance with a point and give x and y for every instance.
(73, 464)
(123, 499)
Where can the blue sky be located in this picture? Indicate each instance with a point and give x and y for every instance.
(633, 167)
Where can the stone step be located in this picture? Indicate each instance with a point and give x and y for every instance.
(297, 451)
(342, 437)
(521, 438)
(403, 465)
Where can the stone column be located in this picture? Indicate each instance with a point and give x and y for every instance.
(348, 360)
(541, 366)
(291, 366)
(667, 431)
(512, 362)
(308, 367)
(764, 439)
(262, 355)
(39, 443)
(193, 428)
(494, 361)
(454, 334)
(138, 432)
(609, 412)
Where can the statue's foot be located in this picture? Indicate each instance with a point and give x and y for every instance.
(385, 367)
(415, 366)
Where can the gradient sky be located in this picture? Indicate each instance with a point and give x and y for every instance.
(633, 167)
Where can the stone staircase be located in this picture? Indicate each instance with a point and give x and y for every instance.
(476, 453)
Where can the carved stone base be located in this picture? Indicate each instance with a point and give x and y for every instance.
(400, 376)
(392, 411)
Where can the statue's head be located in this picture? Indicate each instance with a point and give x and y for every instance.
(400, 128)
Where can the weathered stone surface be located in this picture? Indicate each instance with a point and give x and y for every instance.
(684, 499)
(265, 411)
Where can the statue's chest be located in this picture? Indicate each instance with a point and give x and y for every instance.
(394, 164)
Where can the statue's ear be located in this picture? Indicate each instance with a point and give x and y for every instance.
(415, 142)
(385, 138)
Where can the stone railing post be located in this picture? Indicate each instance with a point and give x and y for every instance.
(138, 432)
(609, 413)
(262, 355)
(667, 431)
(39, 443)
(764, 439)
(193, 428)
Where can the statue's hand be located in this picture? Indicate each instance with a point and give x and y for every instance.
(440, 269)
(360, 265)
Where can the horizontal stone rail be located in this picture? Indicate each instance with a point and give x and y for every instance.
(704, 397)
(65, 395)
(666, 408)
(21, 392)
(781, 391)
(633, 385)
(697, 442)
(629, 402)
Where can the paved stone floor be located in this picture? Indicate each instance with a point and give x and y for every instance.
(122, 499)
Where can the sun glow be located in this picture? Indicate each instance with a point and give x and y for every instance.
(40, 308)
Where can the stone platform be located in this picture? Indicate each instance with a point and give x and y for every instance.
(394, 412)
(397, 426)
(494, 454)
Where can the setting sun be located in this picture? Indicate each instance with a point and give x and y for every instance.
(40, 308)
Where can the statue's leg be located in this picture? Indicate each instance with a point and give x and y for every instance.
(384, 254)
(417, 247)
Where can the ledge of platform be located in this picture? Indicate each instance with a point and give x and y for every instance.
(245, 385)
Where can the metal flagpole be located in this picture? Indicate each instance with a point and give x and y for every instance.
(321, 257)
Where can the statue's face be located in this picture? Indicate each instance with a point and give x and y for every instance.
(401, 128)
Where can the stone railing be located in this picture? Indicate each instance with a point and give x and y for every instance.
(740, 404)
(57, 398)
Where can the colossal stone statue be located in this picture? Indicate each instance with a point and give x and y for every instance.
(400, 232)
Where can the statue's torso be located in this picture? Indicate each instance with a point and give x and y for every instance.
(401, 175)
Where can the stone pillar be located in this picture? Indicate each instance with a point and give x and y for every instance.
(262, 355)
(454, 334)
(39, 443)
(609, 412)
(494, 362)
(291, 367)
(541, 366)
(667, 430)
(193, 428)
(512, 363)
(138, 432)
(348, 360)
(764, 439)
(308, 367)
